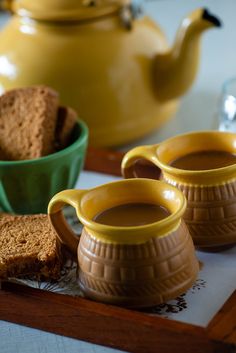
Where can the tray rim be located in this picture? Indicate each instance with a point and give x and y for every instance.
(111, 326)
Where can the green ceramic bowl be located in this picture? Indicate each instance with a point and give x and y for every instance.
(27, 186)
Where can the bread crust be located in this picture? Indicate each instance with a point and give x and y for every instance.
(28, 118)
(66, 120)
(32, 124)
(28, 246)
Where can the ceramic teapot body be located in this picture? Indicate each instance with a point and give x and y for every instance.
(121, 81)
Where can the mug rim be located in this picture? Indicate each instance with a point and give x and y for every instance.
(208, 176)
(81, 140)
(165, 225)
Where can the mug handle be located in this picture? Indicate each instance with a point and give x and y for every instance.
(147, 152)
(63, 230)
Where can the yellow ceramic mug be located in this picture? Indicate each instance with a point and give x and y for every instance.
(131, 266)
(211, 194)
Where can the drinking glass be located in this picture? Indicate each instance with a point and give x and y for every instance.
(227, 106)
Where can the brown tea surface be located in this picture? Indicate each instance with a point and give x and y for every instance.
(204, 160)
(132, 214)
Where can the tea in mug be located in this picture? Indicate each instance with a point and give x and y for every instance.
(132, 214)
(204, 160)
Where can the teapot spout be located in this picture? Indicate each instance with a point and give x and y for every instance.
(175, 70)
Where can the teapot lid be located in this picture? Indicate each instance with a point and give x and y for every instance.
(63, 10)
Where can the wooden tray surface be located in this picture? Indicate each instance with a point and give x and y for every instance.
(115, 327)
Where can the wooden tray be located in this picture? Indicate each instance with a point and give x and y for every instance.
(112, 326)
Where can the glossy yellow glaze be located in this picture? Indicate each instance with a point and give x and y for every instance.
(66, 10)
(89, 203)
(175, 70)
(162, 154)
(123, 83)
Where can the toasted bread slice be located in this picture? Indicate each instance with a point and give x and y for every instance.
(28, 246)
(28, 118)
(66, 121)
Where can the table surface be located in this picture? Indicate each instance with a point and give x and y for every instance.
(198, 111)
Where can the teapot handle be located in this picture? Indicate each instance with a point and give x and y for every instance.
(141, 152)
(63, 231)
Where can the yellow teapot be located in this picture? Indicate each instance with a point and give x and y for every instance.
(115, 70)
